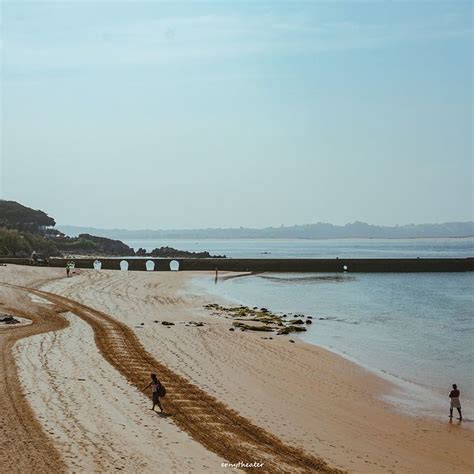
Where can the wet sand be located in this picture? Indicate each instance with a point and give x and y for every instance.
(306, 396)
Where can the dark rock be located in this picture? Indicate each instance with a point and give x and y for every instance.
(167, 323)
(245, 327)
(87, 244)
(231, 329)
(297, 329)
(290, 329)
(291, 340)
(308, 321)
(170, 252)
(309, 317)
(296, 321)
(7, 319)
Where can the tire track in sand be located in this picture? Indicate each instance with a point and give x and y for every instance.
(211, 423)
(25, 447)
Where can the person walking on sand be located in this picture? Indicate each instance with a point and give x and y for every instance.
(455, 403)
(68, 269)
(157, 391)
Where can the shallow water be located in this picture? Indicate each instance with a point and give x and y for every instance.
(417, 329)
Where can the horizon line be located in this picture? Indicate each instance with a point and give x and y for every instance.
(282, 226)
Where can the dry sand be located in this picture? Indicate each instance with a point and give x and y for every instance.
(22, 439)
(308, 397)
(98, 421)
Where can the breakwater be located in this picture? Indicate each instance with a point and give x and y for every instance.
(355, 265)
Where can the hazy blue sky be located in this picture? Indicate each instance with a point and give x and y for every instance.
(193, 114)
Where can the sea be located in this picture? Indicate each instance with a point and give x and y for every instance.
(306, 248)
(414, 329)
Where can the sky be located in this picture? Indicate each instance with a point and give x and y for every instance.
(228, 114)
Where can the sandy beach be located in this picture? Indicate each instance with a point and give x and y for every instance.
(73, 378)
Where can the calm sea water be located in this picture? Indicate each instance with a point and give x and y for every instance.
(415, 329)
(302, 248)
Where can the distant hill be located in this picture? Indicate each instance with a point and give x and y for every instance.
(320, 230)
(24, 230)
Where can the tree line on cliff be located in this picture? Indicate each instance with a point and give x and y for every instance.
(24, 230)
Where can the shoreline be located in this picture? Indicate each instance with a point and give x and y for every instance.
(410, 398)
(306, 395)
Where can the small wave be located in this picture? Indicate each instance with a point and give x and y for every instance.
(310, 279)
(338, 320)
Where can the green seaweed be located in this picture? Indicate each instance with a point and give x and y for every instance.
(269, 321)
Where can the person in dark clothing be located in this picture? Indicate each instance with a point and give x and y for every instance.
(455, 403)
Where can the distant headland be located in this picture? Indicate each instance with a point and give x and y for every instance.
(25, 231)
(319, 230)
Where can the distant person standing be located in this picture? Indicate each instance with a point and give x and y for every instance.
(217, 275)
(68, 269)
(455, 403)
